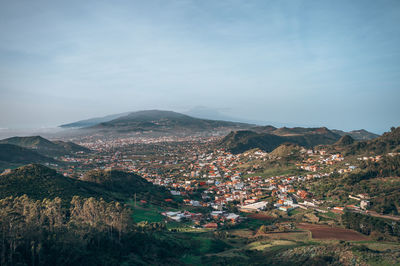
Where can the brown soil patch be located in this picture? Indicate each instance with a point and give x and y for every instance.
(260, 216)
(327, 232)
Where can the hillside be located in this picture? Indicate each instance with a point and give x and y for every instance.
(263, 129)
(345, 141)
(157, 121)
(38, 182)
(13, 156)
(241, 141)
(388, 142)
(128, 183)
(44, 146)
(286, 150)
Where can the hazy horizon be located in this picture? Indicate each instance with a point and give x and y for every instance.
(305, 63)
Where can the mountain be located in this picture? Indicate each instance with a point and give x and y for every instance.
(345, 141)
(285, 150)
(38, 182)
(129, 183)
(165, 122)
(388, 142)
(13, 155)
(264, 129)
(241, 141)
(360, 134)
(93, 121)
(44, 146)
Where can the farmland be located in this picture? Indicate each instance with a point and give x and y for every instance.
(327, 232)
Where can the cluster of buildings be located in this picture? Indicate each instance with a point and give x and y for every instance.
(219, 178)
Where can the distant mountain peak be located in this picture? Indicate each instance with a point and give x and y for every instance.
(165, 122)
(360, 134)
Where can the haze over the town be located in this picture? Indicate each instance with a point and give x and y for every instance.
(318, 63)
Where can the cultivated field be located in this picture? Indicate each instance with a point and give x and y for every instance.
(327, 232)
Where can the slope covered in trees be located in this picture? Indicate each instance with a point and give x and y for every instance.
(49, 219)
(126, 183)
(87, 232)
(12, 155)
(38, 182)
(45, 146)
(240, 141)
(388, 142)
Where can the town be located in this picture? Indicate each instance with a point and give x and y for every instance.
(226, 184)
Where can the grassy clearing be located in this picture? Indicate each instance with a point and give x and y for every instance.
(293, 236)
(296, 211)
(146, 212)
(262, 245)
(278, 171)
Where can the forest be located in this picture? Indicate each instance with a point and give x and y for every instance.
(88, 232)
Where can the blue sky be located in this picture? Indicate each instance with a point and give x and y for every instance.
(320, 63)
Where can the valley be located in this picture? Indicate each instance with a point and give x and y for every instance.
(277, 202)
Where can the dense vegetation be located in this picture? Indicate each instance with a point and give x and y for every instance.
(388, 166)
(88, 232)
(371, 225)
(13, 155)
(388, 142)
(44, 146)
(241, 141)
(127, 183)
(39, 182)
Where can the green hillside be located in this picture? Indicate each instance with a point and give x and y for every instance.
(388, 142)
(44, 146)
(38, 182)
(12, 156)
(127, 183)
(345, 141)
(241, 141)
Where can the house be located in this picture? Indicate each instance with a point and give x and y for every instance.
(302, 194)
(364, 204)
(216, 214)
(211, 225)
(338, 210)
(258, 206)
(232, 217)
(175, 216)
(175, 193)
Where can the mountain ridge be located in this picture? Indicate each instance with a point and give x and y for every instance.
(241, 141)
(38, 181)
(14, 156)
(45, 146)
(165, 122)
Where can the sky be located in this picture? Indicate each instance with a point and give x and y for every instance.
(311, 63)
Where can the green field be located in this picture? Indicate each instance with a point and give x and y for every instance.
(146, 212)
(278, 171)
